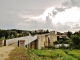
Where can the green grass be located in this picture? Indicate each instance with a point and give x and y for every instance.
(31, 56)
(55, 54)
(75, 53)
(67, 57)
(49, 53)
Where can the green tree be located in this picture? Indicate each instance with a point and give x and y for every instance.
(69, 34)
(76, 41)
(56, 42)
(25, 33)
(15, 34)
(47, 31)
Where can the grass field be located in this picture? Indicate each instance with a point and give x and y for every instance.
(75, 53)
(55, 54)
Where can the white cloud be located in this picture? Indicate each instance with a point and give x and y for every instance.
(59, 15)
(69, 15)
(63, 20)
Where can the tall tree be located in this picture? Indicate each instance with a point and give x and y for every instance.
(69, 34)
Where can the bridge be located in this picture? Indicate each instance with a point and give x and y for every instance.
(15, 41)
(38, 41)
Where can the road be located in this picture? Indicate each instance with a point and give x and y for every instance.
(4, 51)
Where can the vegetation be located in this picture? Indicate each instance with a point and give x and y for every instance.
(73, 39)
(17, 54)
(14, 33)
(39, 32)
(75, 53)
(56, 54)
(46, 54)
(71, 53)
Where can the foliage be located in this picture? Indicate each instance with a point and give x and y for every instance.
(76, 41)
(69, 34)
(2, 38)
(8, 34)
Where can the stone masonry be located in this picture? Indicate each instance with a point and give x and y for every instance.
(46, 40)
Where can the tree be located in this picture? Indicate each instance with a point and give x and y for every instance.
(19, 31)
(69, 34)
(47, 31)
(76, 41)
(56, 42)
(6, 34)
(15, 34)
(25, 33)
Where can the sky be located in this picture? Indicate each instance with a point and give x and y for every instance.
(57, 15)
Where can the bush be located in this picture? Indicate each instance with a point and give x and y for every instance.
(51, 47)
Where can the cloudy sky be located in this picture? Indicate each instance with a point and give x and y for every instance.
(58, 15)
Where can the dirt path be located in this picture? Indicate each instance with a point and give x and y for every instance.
(4, 51)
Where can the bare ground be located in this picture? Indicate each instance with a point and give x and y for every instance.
(4, 51)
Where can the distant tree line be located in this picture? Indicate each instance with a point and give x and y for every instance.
(73, 39)
(13, 33)
(40, 32)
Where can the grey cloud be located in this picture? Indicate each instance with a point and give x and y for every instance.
(32, 7)
(8, 20)
(76, 26)
(71, 3)
(35, 7)
(62, 27)
(34, 24)
(60, 9)
(54, 12)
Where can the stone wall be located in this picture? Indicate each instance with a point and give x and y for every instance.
(41, 40)
(53, 37)
(46, 40)
(34, 44)
(1, 43)
(22, 43)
